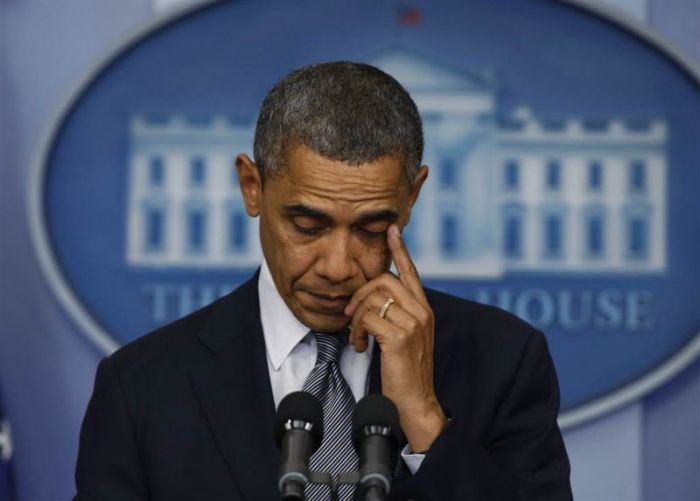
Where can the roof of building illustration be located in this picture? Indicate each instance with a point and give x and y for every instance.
(418, 73)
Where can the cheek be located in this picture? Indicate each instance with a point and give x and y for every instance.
(299, 259)
(373, 260)
(293, 257)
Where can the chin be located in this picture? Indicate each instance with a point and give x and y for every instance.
(325, 324)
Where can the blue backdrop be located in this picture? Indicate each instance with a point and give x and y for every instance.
(47, 366)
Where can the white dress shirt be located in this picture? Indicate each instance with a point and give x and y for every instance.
(291, 353)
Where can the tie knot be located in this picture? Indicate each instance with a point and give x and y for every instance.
(330, 346)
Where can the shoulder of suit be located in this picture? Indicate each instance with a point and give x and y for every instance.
(171, 350)
(492, 329)
(181, 336)
(165, 350)
(169, 336)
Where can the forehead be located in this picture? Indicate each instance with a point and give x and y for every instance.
(311, 178)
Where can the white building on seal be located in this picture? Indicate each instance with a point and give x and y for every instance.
(185, 208)
(506, 192)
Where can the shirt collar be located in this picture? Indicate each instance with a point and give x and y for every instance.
(282, 330)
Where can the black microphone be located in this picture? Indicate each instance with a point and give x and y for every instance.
(376, 434)
(298, 433)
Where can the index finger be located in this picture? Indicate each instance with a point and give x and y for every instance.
(408, 274)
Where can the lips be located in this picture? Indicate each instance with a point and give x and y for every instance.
(325, 303)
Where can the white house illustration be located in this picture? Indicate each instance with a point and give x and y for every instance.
(506, 191)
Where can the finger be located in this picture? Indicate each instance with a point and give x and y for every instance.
(360, 294)
(399, 316)
(359, 337)
(388, 284)
(395, 314)
(408, 274)
(382, 330)
(369, 306)
(360, 341)
(391, 287)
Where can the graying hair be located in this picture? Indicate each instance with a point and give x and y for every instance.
(346, 111)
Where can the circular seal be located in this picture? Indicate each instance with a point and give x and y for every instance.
(561, 183)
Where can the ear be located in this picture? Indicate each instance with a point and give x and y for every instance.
(421, 176)
(250, 183)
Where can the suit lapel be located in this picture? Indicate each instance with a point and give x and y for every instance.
(375, 370)
(233, 389)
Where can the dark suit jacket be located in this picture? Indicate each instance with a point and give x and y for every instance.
(186, 412)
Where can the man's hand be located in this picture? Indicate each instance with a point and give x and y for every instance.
(405, 335)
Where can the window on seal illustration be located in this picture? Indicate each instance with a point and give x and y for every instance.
(513, 222)
(637, 232)
(511, 175)
(197, 172)
(237, 230)
(196, 229)
(154, 219)
(637, 176)
(595, 175)
(553, 174)
(448, 174)
(594, 227)
(156, 171)
(449, 237)
(553, 234)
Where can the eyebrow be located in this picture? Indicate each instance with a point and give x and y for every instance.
(380, 215)
(365, 218)
(305, 210)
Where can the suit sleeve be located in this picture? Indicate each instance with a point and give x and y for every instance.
(108, 467)
(521, 458)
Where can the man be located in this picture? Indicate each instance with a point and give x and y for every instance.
(187, 411)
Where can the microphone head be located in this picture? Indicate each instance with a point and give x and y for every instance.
(300, 406)
(376, 410)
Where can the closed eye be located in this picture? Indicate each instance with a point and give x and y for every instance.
(308, 225)
(373, 234)
(376, 229)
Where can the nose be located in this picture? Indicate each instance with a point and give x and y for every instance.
(336, 262)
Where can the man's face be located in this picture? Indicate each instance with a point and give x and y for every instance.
(323, 228)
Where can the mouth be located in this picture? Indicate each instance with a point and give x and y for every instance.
(328, 304)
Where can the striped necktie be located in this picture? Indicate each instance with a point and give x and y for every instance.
(336, 454)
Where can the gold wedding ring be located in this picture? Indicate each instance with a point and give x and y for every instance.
(385, 307)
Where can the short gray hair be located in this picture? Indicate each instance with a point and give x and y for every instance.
(346, 111)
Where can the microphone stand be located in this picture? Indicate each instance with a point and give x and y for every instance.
(374, 493)
(351, 477)
(370, 493)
